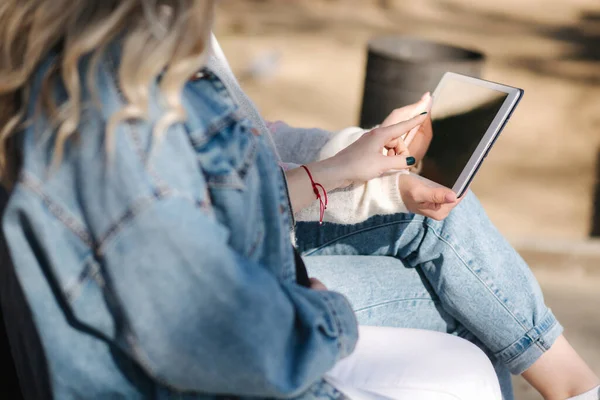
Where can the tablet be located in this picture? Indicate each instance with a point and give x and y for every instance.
(467, 116)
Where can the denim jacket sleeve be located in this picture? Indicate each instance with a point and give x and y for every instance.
(197, 310)
(203, 313)
(202, 318)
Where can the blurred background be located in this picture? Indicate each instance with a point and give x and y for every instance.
(304, 62)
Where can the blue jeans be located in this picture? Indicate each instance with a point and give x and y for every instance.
(458, 276)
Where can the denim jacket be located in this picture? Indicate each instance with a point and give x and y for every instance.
(162, 268)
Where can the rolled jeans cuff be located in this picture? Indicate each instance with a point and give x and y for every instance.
(524, 352)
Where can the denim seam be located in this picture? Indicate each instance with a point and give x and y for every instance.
(59, 212)
(78, 228)
(534, 340)
(137, 144)
(341, 335)
(336, 320)
(137, 208)
(537, 341)
(62, 215)
(366, 229)
(160, 189)
(90, 271)
(525, 358)
(440, 238)
(235, 178)
(134, 133)
(466, 264)
(216, 126)
(200, 137)
(249, 157)
(227, 182)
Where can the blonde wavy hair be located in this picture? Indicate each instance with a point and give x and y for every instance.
(170, 36)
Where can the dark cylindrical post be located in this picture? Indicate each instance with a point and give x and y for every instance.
(596, 202)
(400, 69)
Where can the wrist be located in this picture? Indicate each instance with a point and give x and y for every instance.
(328, 173)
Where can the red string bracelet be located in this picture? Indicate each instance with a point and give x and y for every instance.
(315, 187)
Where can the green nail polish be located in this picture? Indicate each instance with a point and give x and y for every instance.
(423, 113)
(410, 161)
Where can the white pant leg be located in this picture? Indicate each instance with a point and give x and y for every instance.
(410, 364)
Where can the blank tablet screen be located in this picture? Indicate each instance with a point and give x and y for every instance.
(461, 115)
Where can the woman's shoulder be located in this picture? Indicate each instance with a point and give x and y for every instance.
(112, 162)
(71, 157)
(66, 119)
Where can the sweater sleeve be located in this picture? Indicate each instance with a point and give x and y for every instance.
(346, 206)
(297, 146)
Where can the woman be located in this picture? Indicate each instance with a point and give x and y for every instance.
(457, 273)
(149, 226)
(148, 223)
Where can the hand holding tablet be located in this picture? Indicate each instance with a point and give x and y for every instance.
(467, 115)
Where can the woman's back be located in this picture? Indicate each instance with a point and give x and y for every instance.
(153, 248)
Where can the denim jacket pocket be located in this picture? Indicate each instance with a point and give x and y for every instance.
(228, 160)
(227, 155)
(220, 134)
(226, 150)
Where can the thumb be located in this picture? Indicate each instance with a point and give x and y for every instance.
(392, 132)
(437, 196)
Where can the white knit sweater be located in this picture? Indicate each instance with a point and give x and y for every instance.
(297, 146)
